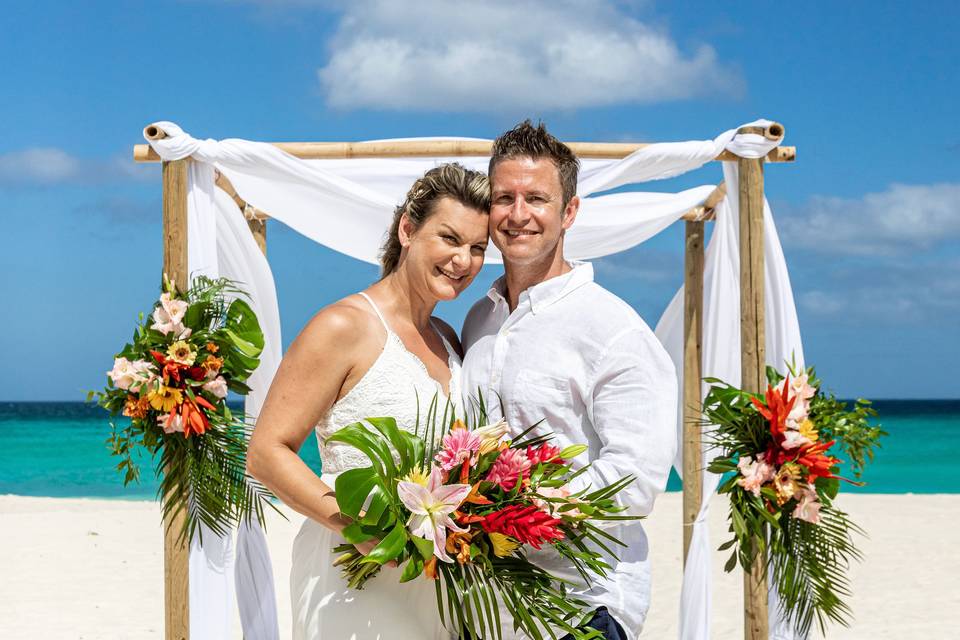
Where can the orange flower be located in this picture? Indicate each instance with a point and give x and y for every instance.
(459, 543)
(136, 407)
(212, 347)
(466, 518)
(212, 363)
(475, 497)
(430, 568)
(194, 418)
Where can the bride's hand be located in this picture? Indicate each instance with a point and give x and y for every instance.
(366, 547)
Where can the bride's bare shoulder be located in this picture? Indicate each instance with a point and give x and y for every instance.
(346, 323)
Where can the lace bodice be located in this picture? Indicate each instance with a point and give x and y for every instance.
(390, 387)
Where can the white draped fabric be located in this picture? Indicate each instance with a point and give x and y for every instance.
(347, 205)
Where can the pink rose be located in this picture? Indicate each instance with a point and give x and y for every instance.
(217, 386)
(129, 375)
(794, 439)
(808, 509)
(168, 317)
(755, 474)
(170, 423)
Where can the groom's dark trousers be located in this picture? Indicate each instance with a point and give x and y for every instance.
(601, 621)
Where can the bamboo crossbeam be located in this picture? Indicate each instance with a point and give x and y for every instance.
(454, 148)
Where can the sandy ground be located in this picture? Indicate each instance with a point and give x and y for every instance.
(74, 568)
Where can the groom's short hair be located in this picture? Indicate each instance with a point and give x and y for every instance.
(527, 141)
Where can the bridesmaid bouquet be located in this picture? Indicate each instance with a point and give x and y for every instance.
(780, 453)
(171, 382)
(464, 512)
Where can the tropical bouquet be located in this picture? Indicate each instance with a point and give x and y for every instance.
(171, 381)
(781, 453)
(462, 506)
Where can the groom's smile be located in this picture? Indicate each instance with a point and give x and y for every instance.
(526, 212)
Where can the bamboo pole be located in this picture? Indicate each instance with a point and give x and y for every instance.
(753, 358)
(258, 227)
(692, 361)
(176, 575)
(256, 219)
(452, 148)
(705, 211)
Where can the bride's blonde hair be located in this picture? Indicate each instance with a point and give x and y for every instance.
(453, 180)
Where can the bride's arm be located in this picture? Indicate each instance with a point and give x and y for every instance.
(306, 385)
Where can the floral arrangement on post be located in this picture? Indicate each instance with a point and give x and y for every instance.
(779, 451)
(172, 381)
(464, 511)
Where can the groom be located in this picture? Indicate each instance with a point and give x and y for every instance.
(553, 345)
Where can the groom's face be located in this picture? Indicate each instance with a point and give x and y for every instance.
(527, 213)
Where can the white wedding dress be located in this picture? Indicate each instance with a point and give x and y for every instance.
(323, 607)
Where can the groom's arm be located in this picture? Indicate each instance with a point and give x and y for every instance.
(633, 408)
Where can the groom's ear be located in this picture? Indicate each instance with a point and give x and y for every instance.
(405, 230)
(570, 212)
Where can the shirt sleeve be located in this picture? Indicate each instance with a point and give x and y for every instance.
(633, 408)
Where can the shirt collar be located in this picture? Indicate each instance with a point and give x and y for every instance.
(545, 293)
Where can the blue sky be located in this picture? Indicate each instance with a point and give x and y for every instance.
(869, 215)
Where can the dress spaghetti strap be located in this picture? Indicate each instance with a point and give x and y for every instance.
(376, 310)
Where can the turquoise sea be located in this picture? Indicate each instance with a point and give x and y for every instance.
(57, 449)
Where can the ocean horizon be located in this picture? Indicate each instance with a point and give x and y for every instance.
(58, 449)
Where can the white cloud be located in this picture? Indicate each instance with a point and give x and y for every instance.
(901, 218)
(507, 55)
(45, 166)
(922, 292)
(38, 165)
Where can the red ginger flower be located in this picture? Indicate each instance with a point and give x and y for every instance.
(777, 408)
(527, 524)
(544, 453)
(814, 459)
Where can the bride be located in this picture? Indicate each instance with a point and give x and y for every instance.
(375, 353)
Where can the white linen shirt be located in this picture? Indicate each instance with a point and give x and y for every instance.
(579, 358)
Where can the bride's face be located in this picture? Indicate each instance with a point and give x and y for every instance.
(445, 254)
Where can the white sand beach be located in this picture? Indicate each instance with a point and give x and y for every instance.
(88, 569)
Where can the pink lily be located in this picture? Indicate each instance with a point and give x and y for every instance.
(430, 508)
